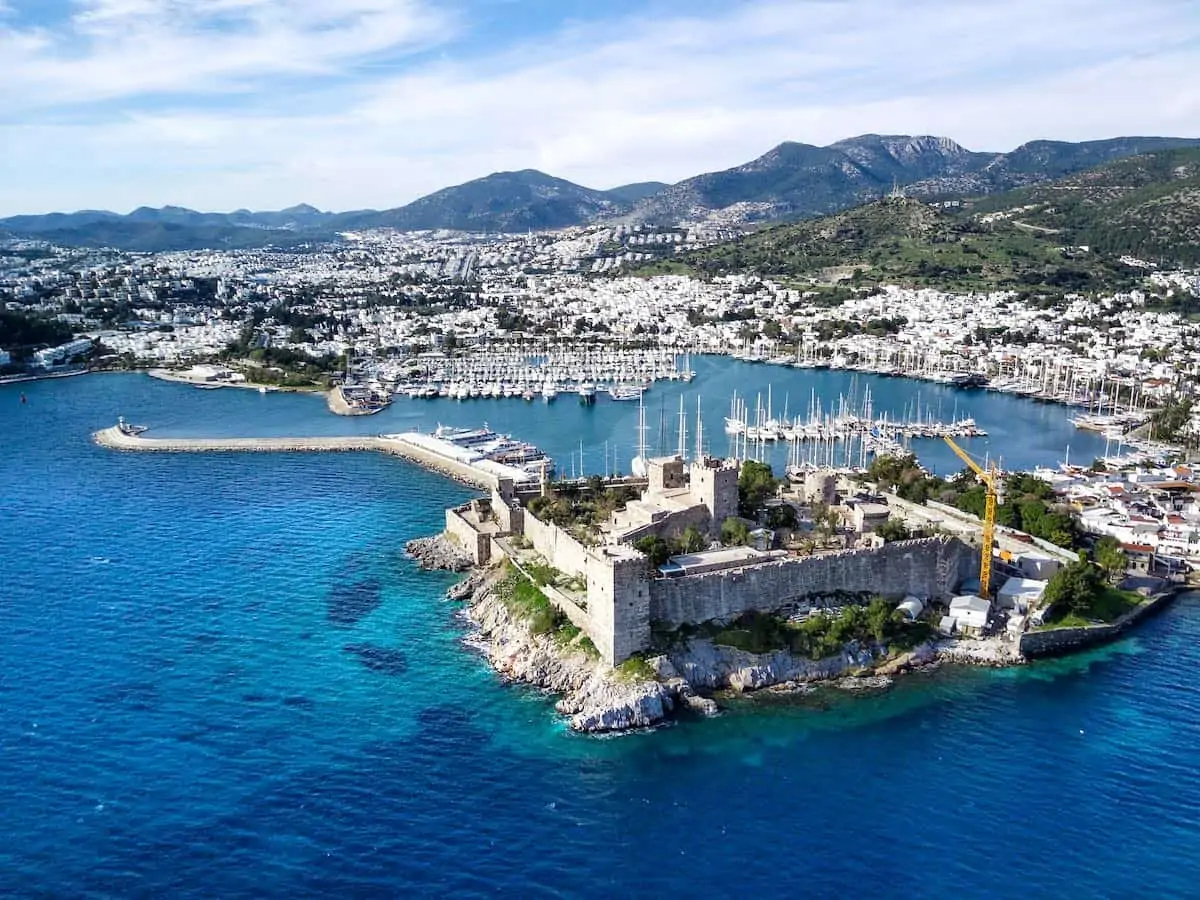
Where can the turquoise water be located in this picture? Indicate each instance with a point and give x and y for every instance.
(221, 677)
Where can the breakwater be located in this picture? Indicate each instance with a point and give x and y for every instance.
(401, 445)
(1056, 641)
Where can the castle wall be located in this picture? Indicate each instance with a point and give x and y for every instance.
(477, 544)
(1064, 640)
(558, 547)
(510, 515)
(926, 567)
(673, 524)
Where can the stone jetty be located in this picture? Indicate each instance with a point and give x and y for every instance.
(394, 444)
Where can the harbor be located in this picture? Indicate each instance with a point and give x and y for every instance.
(603, 438)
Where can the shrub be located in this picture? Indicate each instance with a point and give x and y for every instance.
(893, 530)
(523, 599)
(635, 669)
(542, 574)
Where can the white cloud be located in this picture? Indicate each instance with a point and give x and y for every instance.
(131, 49)
(627, 101)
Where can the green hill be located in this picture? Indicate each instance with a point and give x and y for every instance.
(904, 242)
(1146, 206)
(1031, 239)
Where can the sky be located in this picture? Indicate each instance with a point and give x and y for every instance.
(352, 104)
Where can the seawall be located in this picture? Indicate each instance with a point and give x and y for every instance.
(1055, 641)
(395, 445)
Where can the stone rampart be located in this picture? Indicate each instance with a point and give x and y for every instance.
(467, 536)
(674, 523)
(557, 546)
(925, 567)
(510, 515)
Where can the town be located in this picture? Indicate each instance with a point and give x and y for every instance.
(431, 314)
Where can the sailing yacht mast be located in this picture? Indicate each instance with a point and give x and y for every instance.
(682, 451)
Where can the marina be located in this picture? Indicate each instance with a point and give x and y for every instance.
(843, 433)
(602, 438)
(1127, 398)
(533, 374)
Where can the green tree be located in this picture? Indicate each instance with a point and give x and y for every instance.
(781, 516)
(756, 483)
(894, 530)
(657, 550)
(734, 533)
(1074, 587)
(1169, 423)
(826, 519)
(692, 540)
(1111, 558)
(881, 616)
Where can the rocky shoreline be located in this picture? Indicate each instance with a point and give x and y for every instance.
(597, 699)
(439, 552)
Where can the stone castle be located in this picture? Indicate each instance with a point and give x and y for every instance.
(615, 594)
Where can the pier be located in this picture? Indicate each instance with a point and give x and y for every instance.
(413, 447)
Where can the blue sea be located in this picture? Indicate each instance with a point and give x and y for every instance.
(221, 677)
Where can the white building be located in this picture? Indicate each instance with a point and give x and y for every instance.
(970, 613)
(1021, 594)
(53, 356)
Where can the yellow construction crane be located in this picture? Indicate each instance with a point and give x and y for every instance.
(991, 480)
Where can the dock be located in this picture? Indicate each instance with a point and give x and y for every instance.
(414, 447)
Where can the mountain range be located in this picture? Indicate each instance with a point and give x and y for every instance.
(791, 181)
(1064, 235)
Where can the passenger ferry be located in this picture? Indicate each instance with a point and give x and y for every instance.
(501, 448)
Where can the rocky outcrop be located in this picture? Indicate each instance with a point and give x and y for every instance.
(594, 696)
(438, 552)
(863, 683)
(597, 698)
(706, 665)
(923, 656)
(989, 652)
(465, 589)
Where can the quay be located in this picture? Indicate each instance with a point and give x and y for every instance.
(420, 449)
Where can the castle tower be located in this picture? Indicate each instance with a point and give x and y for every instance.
(714, 483)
